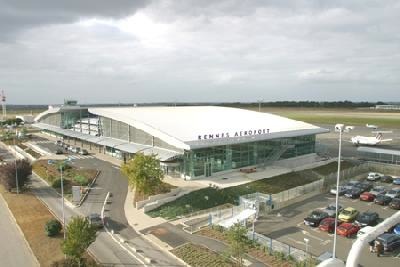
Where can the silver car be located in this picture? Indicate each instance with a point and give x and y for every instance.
(331, 209)
(394, 193)
(342, 190)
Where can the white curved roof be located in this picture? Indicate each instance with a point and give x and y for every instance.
(192, 126)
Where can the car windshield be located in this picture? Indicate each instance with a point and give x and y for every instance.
(396, 201)
(315, 214)
(326, 222)
(379, 189)
(346, 212)
(366, 216)
(331, 207)
(392, 192)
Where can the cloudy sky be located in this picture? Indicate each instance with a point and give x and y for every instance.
(189, 50)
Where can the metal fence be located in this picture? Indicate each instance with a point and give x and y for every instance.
(277, 246)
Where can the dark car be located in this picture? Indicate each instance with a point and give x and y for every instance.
(59, 151)
(395, 204)
(389, 241)
(365, 186)
(387, 179)
(95, 220)
(315, 218)
(355, 192)
(367, 218)
(382, 199)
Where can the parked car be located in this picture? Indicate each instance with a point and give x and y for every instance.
(347, 229)
(76, 149)
(364, 230)
(342, 190)
(395, 204)
(328, 225)
(315, 217)
(367, 196)
(59, 151)
(393, 193)
(348, 214)
(396, 181)
(351, 184)
(365, 186)
(390, 241)
(373, 176)
(331, 209)
(396, 229)
(66, 146)
(382, 199)
(84, 152)
(95, 220)
(387, 179)
(367, 218)
(376, 190)
(355, 192)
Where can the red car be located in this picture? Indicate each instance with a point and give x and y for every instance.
(328, 225)
(347, 229)
(367, 196)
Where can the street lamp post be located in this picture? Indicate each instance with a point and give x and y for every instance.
(16, 168)
(62, 198)
(338, 128)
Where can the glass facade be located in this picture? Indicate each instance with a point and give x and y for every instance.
(206, 161)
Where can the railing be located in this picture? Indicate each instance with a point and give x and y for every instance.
(277, 246)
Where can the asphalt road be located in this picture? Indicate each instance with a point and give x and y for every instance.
(110, 180)
(14, 251)
(330, 141)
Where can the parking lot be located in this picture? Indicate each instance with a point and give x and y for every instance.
(287, 226)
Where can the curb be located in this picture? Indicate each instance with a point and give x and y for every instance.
(20, 230)
(88, 190)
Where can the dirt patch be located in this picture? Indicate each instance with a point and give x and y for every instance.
(31, 216)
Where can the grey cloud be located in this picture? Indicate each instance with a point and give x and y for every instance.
(17, 15)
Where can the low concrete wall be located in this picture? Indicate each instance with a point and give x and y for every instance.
(153, 205)
(25, 154)
(155, 198)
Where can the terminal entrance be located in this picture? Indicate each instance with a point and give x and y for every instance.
(207, 169)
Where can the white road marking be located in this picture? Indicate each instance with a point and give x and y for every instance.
(310, 235)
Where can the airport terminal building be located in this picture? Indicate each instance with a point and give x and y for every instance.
(190, 141)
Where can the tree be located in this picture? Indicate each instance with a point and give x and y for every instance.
(143, 172)
(7, 174)
(237, 241)
(80, 234)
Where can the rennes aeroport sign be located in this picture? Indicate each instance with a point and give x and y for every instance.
(236, 134)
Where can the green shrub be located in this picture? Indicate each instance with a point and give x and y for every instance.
(53, 227)
(81, 180)
(57, 183)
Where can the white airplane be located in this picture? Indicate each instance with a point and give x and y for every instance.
(372, 126)
(370, 140)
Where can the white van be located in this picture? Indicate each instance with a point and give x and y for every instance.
(364, 230)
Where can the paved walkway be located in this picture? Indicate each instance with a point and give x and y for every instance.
(14, 250)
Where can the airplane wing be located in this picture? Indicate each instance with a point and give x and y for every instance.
(386, 140)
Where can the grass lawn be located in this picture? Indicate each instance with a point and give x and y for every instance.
(209, 197)
(51, 174)
(332, 167)
(332, 116)
(200, 256)
(31, 216)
